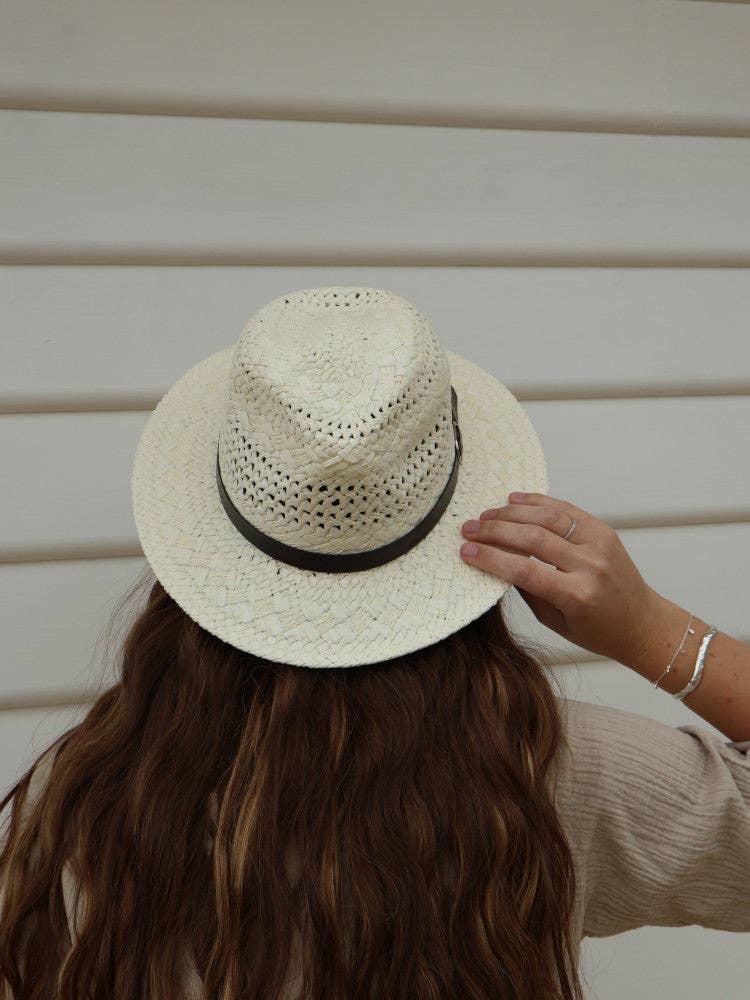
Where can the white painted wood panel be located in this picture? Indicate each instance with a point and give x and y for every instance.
(691, 963)
(648, 65)
(79, 335)
(624, 460)
(108, 188)
(90, 186)
(648, 459)
(25, 734)
(53, 616)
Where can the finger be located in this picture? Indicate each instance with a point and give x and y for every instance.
(541, 501)
(553, 517)
(545, 500)
(521, 571)
(533, 498)
(527, 539)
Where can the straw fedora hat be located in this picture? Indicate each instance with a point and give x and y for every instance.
(300, 493)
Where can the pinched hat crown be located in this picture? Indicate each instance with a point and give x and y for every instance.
(339, 432)
(327, 438)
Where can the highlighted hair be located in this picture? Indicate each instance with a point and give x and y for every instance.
(380, 831)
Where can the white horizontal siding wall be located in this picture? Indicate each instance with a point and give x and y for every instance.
(561, 187)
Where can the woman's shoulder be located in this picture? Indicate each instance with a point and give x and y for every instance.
(608, 729)
(659, 817)
(619, 770)
(607, 748)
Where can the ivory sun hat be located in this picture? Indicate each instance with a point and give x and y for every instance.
(300, 493)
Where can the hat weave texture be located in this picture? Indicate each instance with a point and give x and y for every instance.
(339, 442)
(331, 417)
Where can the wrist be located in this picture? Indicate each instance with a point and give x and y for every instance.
(662, 625)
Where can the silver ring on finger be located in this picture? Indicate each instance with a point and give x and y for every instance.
(570, 530)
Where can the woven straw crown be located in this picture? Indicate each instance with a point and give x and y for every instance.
(300, 492)
(337, 432)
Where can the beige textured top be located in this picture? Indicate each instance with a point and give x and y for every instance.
(658, 819)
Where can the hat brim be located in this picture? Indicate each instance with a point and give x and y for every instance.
(310, 618)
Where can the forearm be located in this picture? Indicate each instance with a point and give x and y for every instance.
(722, 697)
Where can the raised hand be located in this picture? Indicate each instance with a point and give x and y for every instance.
(586, 587)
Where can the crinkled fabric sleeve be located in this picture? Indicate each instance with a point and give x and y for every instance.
(662, 821)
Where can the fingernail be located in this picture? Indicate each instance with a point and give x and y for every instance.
(517, 496)
(472, 527)
(486, 514)
(469, 549)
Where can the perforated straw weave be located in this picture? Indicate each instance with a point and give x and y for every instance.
(330, 425)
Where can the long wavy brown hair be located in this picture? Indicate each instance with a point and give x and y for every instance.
(385, 830)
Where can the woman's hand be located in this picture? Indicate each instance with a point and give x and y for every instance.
(586, 588)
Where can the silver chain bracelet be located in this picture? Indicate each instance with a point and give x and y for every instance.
(688, 631)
